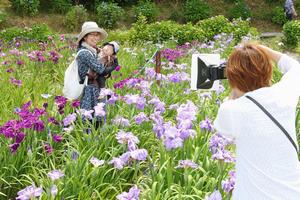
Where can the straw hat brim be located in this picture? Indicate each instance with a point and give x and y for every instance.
(103, 33)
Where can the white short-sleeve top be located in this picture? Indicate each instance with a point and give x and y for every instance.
(267, 166)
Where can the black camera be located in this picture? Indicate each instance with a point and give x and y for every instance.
(207, 74)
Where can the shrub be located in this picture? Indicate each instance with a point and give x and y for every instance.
(138, 32)
(176, 15)
(274, 1)
(291, 33)
(3, 17)
(240, 10)
(120, 36)
(188, 32)
(147, 9)
(108, 14)
(36, 32)
(242, 28)
(126, 2)
(60, 6)
(203, 31)
(214, 26)
(75, 18)
(162, 31)
(278, 16)
(25, 7)
(195, 10)
(39, 32)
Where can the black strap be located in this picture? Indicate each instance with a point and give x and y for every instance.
(275, 121)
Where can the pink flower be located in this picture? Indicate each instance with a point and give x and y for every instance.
(57, 138)
(75, 103)
(118, 68)
(48, 148)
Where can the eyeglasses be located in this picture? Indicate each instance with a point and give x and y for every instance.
(94, 34)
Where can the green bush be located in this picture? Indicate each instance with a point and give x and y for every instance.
(274, 1)
(138, 32)
(176, 15)
(230, 1)
(147, 9)
(36, 32)
(120, 36)
(188, 33)
(60, 6)
(75, 18)
(241, 28)
(203, 31)
(291, 33)
(39, 32)
(108, 14)
(214, 26)
(195, 10)
(278, 16)
(3, 18)
(25, 7)
(240, 10)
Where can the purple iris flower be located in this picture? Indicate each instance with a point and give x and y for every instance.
(48, 148)
(75, 103)
(52, 120)
(121, 121)
(141, 117)
(113, 98)
(57, 138)
(159, 130)
(54, 190)
(217, 147)
(139, 154)
(86, 114)
(13, 147)
(121, 161)
(206, 124)
(39, 126)
(96, 162)
(123, 137)
(29, 192)
(216, 195)
(150, 73)
(228, 185)
(69, 119)
(132, 194)
(100, 109)
(187, 164)
(55, 174)
(20, 137)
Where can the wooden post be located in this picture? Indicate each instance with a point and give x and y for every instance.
(158, 65)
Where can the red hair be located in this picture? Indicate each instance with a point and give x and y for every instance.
(249, 68)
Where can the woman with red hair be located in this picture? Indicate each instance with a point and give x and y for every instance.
(260, 117)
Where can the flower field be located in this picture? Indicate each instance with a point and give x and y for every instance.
(157, 143)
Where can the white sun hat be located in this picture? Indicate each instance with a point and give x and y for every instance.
(89, 27)
(115, 45)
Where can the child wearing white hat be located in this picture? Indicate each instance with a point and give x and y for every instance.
(106, 56)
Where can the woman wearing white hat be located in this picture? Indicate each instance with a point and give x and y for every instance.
(87, 59)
